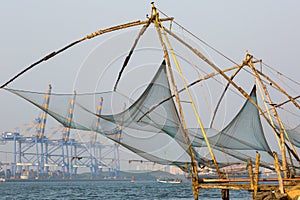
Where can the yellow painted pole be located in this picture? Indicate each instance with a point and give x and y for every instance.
(193, 104)
(156, 21)
(241, 90)
(282, 139)
(256, 175)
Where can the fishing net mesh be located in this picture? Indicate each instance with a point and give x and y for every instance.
(151, 126)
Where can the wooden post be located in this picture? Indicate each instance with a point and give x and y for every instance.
(256, 174)
(225, 192)
(195, 178)
(277, 168)
(273, 109)
(293, 170)
(249, 166)
(242, 91)
(192, 103)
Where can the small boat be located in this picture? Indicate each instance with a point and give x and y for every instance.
(24, 177)
(169, 180)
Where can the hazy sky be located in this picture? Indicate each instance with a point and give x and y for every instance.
(32, 29)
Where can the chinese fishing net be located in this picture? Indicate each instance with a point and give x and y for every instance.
(156, 136)
(241, 138)
(151, 131)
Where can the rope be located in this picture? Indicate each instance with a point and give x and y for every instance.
(202, 41)
(223, 94)
(142, 31)
(90, 36)
(281, 74)
(226, 57)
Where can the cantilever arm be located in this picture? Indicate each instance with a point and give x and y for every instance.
(183, 89)
(293, 100)
(223, 94)
(287, 101)
(241, 90)
(90, 36)
(142, 31)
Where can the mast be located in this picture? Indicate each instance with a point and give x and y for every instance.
(156, 21)
(193, 105)
(241, 90)
(89, 36)
(275, 113)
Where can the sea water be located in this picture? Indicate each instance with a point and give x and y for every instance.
(108, 190)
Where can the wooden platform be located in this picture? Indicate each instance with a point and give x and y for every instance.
(266, 189)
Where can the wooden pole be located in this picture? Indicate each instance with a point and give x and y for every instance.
(256, 174)
(280, 89)
(225, 194)
(282, 139)
(90, 36)
(293, 170)
(282, 130)
(238, 180)
(249, 166)
(223, 94)
(156, 21)
(193, 104)
(243, 92)
(142, 31)
(277, 168)
(287, 101)
(208, 76)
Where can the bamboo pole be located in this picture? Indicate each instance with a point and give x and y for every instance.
(250, 170)
(256, 174)
(293, 170)
(201, 56)
(225, 192)
(267, 109)
(280, 89)
(257, 73)
(89, 36)
(142, 31)
(208, 76)
(277, 168)
(238, 180)
(225, 186)
(282, 139)
(156, 21)
(193, 105)
(287, 101)
(223, 94)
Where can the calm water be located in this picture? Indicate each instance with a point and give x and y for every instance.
(107, 190)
